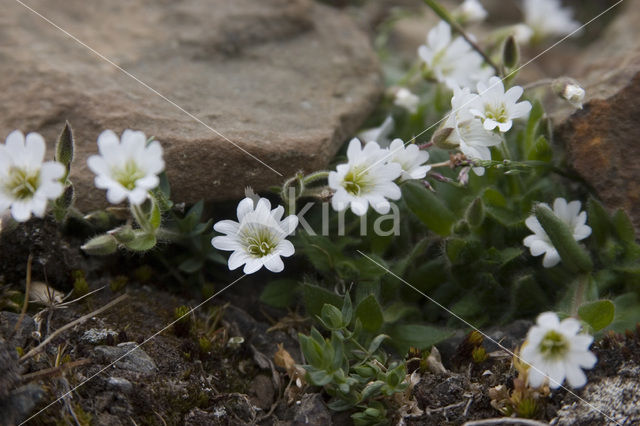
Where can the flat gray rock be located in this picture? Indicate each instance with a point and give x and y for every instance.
(287, 81)
(127, 357)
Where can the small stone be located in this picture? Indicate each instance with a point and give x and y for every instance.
(261, 392)
(97, 336)
(8, 321)
(312, 411)
(119, 384)
(137, 360)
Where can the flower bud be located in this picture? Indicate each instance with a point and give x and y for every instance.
(510, 53)
(65, 147)
(441, 138)
(101, 245)
(123, 234)
(404, 98)
(569, 90)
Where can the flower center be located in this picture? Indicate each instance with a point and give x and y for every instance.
(553, 345)
(496, 112)
(22, 184)
(356, 181)
(128, 175)
(258, 240)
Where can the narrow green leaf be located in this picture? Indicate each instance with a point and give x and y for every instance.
(430, 209)
(331, 317)
(417, 335)
(370, 313)
(598, 221)
(142, 242)
(598, 314)
(573, 255)
(623, 226)
(347, 310)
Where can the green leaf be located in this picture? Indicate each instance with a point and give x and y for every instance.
(155, 218)
(376, 342)
(428, 208)
(142, 242)
(417, 335)
(475, 213)
(319, 377)
(331, 317)
(347, 309)
(372, 389)
(599, 221)
(315, 297)
(540, 150)
(279, 293)
(623, 226)
(370, 313)
(191, 265)
(598, 314)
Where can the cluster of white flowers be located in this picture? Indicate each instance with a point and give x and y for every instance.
(555, 350)
(474, 116)
(452, 61)
(368, 178)
(539, 242)
(27, 182)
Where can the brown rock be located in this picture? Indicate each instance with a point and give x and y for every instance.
(286, 80)
(602, 139)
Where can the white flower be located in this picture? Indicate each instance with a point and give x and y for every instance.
(26, 181)
(128, 169)
(452, 62)
(574, 94)
(522, 33)
(470, 11)
(407, 100)
(468, 133)
(498, 108)
(540, 243)
(556, 351)
(258, 239)
(366, 179)
(548, 18)
(410, 158)
(379, 134)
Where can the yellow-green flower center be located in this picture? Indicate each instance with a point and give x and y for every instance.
(356, 181)
(496, 112)
(259, 241)
(128, 175)
(553, 345)
(22, 184)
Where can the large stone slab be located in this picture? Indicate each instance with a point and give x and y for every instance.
(603, 139)
(286, 80)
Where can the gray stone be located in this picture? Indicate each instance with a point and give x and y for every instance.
(127, 357)
(96, 336)
(617, 397)
(19, 337)
(119, 384)
(286, 80)
(312, 411)
(19, 404)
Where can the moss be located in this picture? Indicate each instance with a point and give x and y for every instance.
(118, 283)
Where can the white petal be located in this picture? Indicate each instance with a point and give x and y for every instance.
(289, 224)
(148, 182)
(548, 320)
(570, 327)
(253, 265)
(359, 206)
(21, 211)
(286, 248)
(35, 148)
(245, 206)
(354, 149)
(575, 377)
(227, 227)
(115, 193)
(551, 259)
(237, 259)
(137, 196)
(52, 170)
(274, 263)
(226, 243)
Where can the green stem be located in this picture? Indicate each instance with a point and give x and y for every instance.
(315, 176)
(445, 16)
(141, 219)
(578, 296)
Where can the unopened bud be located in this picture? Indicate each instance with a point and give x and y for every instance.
(510, 53)
(441, 138)
(123, 234)
(65, 147)
(475, 213)
(404, 98)
(569, 90)
(101, 245)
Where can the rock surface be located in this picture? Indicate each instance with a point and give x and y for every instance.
(602, 139)
(286, 81)
(128, 356)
